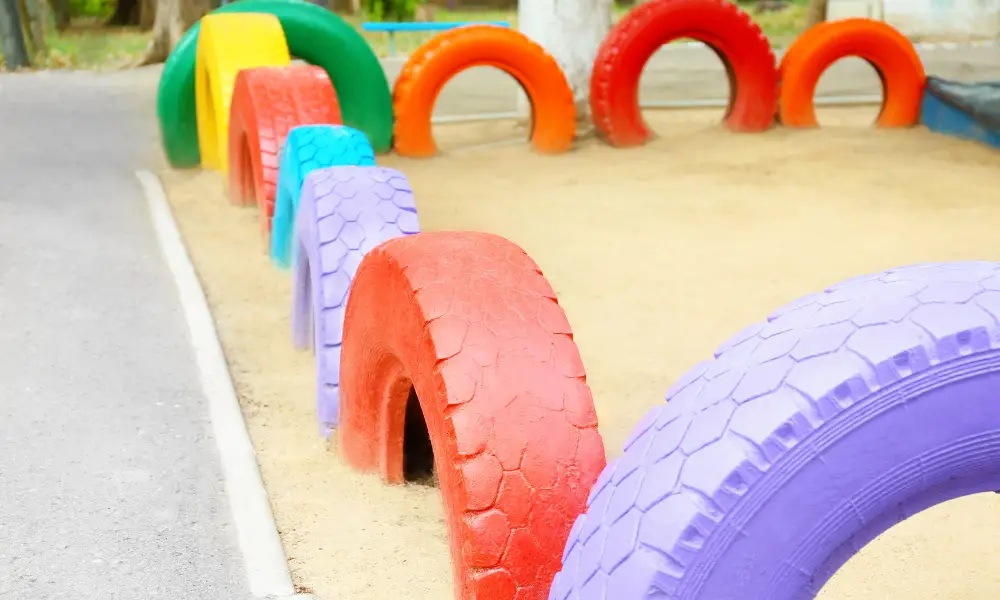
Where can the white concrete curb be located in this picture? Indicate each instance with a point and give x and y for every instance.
(263, 556)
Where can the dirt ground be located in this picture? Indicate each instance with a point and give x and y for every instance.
(658, 254)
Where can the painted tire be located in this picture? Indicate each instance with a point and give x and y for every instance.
(227, 45)
(887, 50)
(314, 35)
(344, 212)
(451, 52)
(747, 484)
(307, 148)
(267, 103)
(468, 322)
(720, 24)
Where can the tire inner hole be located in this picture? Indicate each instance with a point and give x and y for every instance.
(418, 454)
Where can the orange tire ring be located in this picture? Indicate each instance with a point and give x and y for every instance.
(720, 24)
(887, 50)
(267, 103)
(451, 52)
(468, 322)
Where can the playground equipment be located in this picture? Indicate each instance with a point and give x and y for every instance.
(461, 331)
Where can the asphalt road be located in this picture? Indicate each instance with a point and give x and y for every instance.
(110, 485)
(682, 72)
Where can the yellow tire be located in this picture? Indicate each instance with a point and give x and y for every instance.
(229, 43)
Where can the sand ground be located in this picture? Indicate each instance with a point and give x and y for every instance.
(658, 254)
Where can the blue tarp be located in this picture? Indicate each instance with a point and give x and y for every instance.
(965, 110)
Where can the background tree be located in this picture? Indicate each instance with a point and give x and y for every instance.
(15, 52)
(173, 18)
(60, 13)
(815, 12)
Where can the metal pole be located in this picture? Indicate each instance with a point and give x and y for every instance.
(15, 54)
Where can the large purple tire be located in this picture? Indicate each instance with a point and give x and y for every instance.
(343, 213)
(807, 436)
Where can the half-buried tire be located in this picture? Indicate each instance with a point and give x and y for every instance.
(267, 103)
(888, 51)
(343, 213)
(807, 436)
(553, 113)
(307, 148)
(228, 44)
(721, 25)
(463, 329)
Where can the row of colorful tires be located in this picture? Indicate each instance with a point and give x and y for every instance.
(763, 91)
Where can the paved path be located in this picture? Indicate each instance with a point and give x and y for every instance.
(110, 485)
(695, 73)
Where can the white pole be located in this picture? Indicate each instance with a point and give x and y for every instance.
(571, 31)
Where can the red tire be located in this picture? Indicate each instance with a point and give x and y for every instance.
(720, 24)
(267, 103)
(468, 322)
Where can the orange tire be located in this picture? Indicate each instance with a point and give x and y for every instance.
(267, 104)
(887, 50)
(449, 53)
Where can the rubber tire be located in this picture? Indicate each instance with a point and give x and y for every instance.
(314, 35)
(227, 45)
(307, 148)
(445, 55)
(267, 103)
(470, 320)
(739, 42)
(807, 436)
(344, 212)
(888, 51)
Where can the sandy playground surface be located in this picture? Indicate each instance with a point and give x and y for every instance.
(658, 254)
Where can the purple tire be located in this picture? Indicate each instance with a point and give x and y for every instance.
(807, 436)
(343, 213)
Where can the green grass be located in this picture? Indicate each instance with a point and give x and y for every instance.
(87, 45)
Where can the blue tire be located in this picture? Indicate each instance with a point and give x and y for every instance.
(307, 148)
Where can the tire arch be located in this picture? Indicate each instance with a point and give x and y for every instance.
(267, 104)
(445, 55)
(900, 367)
(468, 321)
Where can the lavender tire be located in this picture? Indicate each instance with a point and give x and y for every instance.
(805, 438)
(343, 213)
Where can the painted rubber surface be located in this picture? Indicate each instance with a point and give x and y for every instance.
(307, 148)
(469, 321)
(344, 212)
(315, 35)
(228, 44)
(887, 50)
(267, 103)
(730, 32)
(748, 484)
(451, 52)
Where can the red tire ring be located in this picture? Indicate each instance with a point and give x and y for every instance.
(730, 32)
(267, 103)
(468, 322)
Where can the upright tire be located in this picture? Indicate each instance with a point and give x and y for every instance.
(315, 35)
(227, 45)
(808, 435)
(451, 52)
(721, 25)
(887, 50)
(307, 148)
(344, 212)
(468, 323)
(267, 103)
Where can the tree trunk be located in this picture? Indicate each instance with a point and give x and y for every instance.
(15, 52)
(173, 17)
(126, 13)
(36, 23)
(147, 14)
(60, 9)
(29, 35)
(571, 31)
(815, 12)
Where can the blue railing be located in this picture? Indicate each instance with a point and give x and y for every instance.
(393, 28)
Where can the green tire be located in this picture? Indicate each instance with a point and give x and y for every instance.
(314, 35)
